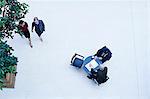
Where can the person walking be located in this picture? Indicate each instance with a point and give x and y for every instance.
(39, 27)
(23, 26)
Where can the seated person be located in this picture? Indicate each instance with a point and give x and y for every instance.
(104, 53)
(100, 76)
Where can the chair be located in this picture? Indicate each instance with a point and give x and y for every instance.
(77, 60)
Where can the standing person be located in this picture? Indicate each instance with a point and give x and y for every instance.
(39, 27)
(24, 28)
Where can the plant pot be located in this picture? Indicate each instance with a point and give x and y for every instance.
(10, 80)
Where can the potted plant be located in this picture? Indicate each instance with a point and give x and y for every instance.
(8, 64)
(11, 11)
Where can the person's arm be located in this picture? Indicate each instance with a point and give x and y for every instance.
(43, 25)
(33, 24)
(93, 71)
(26, 25)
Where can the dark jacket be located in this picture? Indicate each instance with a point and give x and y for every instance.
(24, 28)
(100, 76)
(39, 28)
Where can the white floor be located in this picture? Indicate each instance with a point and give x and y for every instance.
(44, 72)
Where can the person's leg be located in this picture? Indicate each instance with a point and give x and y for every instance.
(41, 39)
(27, 35)
(39, 34)
(92, 75)
(30, 42)
(92, 71)
(89, 76)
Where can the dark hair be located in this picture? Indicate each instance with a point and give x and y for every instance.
(36, 18)
(21, 21)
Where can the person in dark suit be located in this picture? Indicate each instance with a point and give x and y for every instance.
(100, 76)
(39, 27)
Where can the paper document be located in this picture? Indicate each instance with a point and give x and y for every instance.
(92, 64)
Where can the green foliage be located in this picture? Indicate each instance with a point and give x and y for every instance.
(2, 3)
(11, 12)
(7, 61)
(1, 85)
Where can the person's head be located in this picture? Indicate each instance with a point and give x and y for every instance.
(21, 23)
(35, 19)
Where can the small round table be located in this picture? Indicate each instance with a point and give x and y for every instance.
(90, 60)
